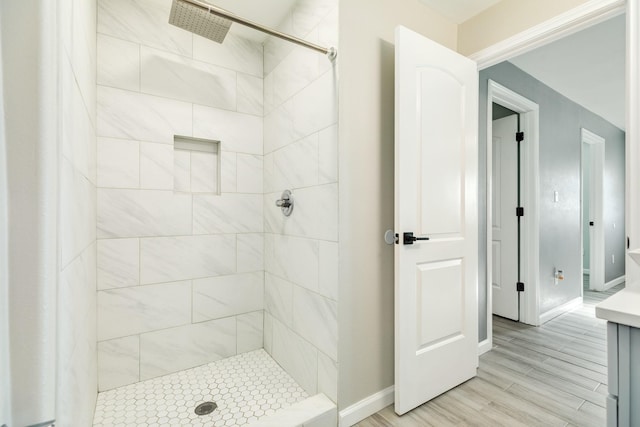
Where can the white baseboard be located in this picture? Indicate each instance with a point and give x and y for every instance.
(366, 407)
(557, 311)
(614, 282)
(484, 346)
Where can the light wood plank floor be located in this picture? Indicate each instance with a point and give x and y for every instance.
(553, 375)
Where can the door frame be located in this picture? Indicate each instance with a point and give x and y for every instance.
(574, 20)
(530, 193)
(596, 176)
(565, 24)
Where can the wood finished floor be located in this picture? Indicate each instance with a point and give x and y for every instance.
(553, 375)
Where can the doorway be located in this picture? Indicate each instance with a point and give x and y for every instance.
(593, 152)
(559, 192)
(505, 224)
(512, 263)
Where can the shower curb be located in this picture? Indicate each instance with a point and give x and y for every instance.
(315, 411)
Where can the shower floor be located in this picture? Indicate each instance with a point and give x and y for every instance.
(245, 387)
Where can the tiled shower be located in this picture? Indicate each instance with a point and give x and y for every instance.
(195, 141)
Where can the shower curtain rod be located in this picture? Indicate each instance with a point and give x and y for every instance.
(331, 52)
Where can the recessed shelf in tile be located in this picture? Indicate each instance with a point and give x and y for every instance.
(196, 165)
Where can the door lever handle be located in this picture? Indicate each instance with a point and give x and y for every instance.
(408, 238)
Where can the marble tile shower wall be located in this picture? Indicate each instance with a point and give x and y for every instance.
(301, 154)
(180, 271)
(76, 303)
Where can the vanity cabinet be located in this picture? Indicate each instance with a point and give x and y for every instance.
(622, 313)
(623, 354)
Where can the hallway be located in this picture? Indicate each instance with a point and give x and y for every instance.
(554, 375)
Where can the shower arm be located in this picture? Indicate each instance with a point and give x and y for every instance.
(331, 52)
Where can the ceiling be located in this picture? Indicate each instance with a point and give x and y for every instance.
(269, 13)
(587, 67)
(459, 11)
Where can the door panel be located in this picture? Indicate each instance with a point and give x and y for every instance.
(596, 209)
(496, 177)
(505, 223)
(436, 324)
(440, 303)
(496, 278)
(443, 123)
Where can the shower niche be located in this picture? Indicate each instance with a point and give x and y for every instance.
(196, 165)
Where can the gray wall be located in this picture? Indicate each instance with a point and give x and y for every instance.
(560, 140)
(614, 181)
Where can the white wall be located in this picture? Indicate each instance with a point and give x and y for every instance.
(301, 154)
(507, 18)
(76, 352)
(366, 117)
(180, 267)
(5, 372)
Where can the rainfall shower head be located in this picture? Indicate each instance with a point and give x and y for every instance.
(199, 20)
(211, 22)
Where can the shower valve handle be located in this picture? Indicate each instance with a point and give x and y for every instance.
(285, 203)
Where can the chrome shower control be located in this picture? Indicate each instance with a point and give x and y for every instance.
(285, 203)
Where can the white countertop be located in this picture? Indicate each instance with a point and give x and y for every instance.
(623, 308)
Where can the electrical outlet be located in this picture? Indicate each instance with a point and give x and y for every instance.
(613, 259)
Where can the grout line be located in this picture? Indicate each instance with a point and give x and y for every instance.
(139, 144)
(182, 325)
(176, 101)
(140, 285)
(192, 290)
(119, 138)
(181, 55)
(139, 358)
(173, 236)
(63, 267)
(139, 45)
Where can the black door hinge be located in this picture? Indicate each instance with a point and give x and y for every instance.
(519, 211)
(520, 287)
(519, 136)
(628, 243)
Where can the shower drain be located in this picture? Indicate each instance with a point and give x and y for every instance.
(206, 408)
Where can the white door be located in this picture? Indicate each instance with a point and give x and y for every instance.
(585, 204)
(596, 209)
(436, 158)
(504, 188)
